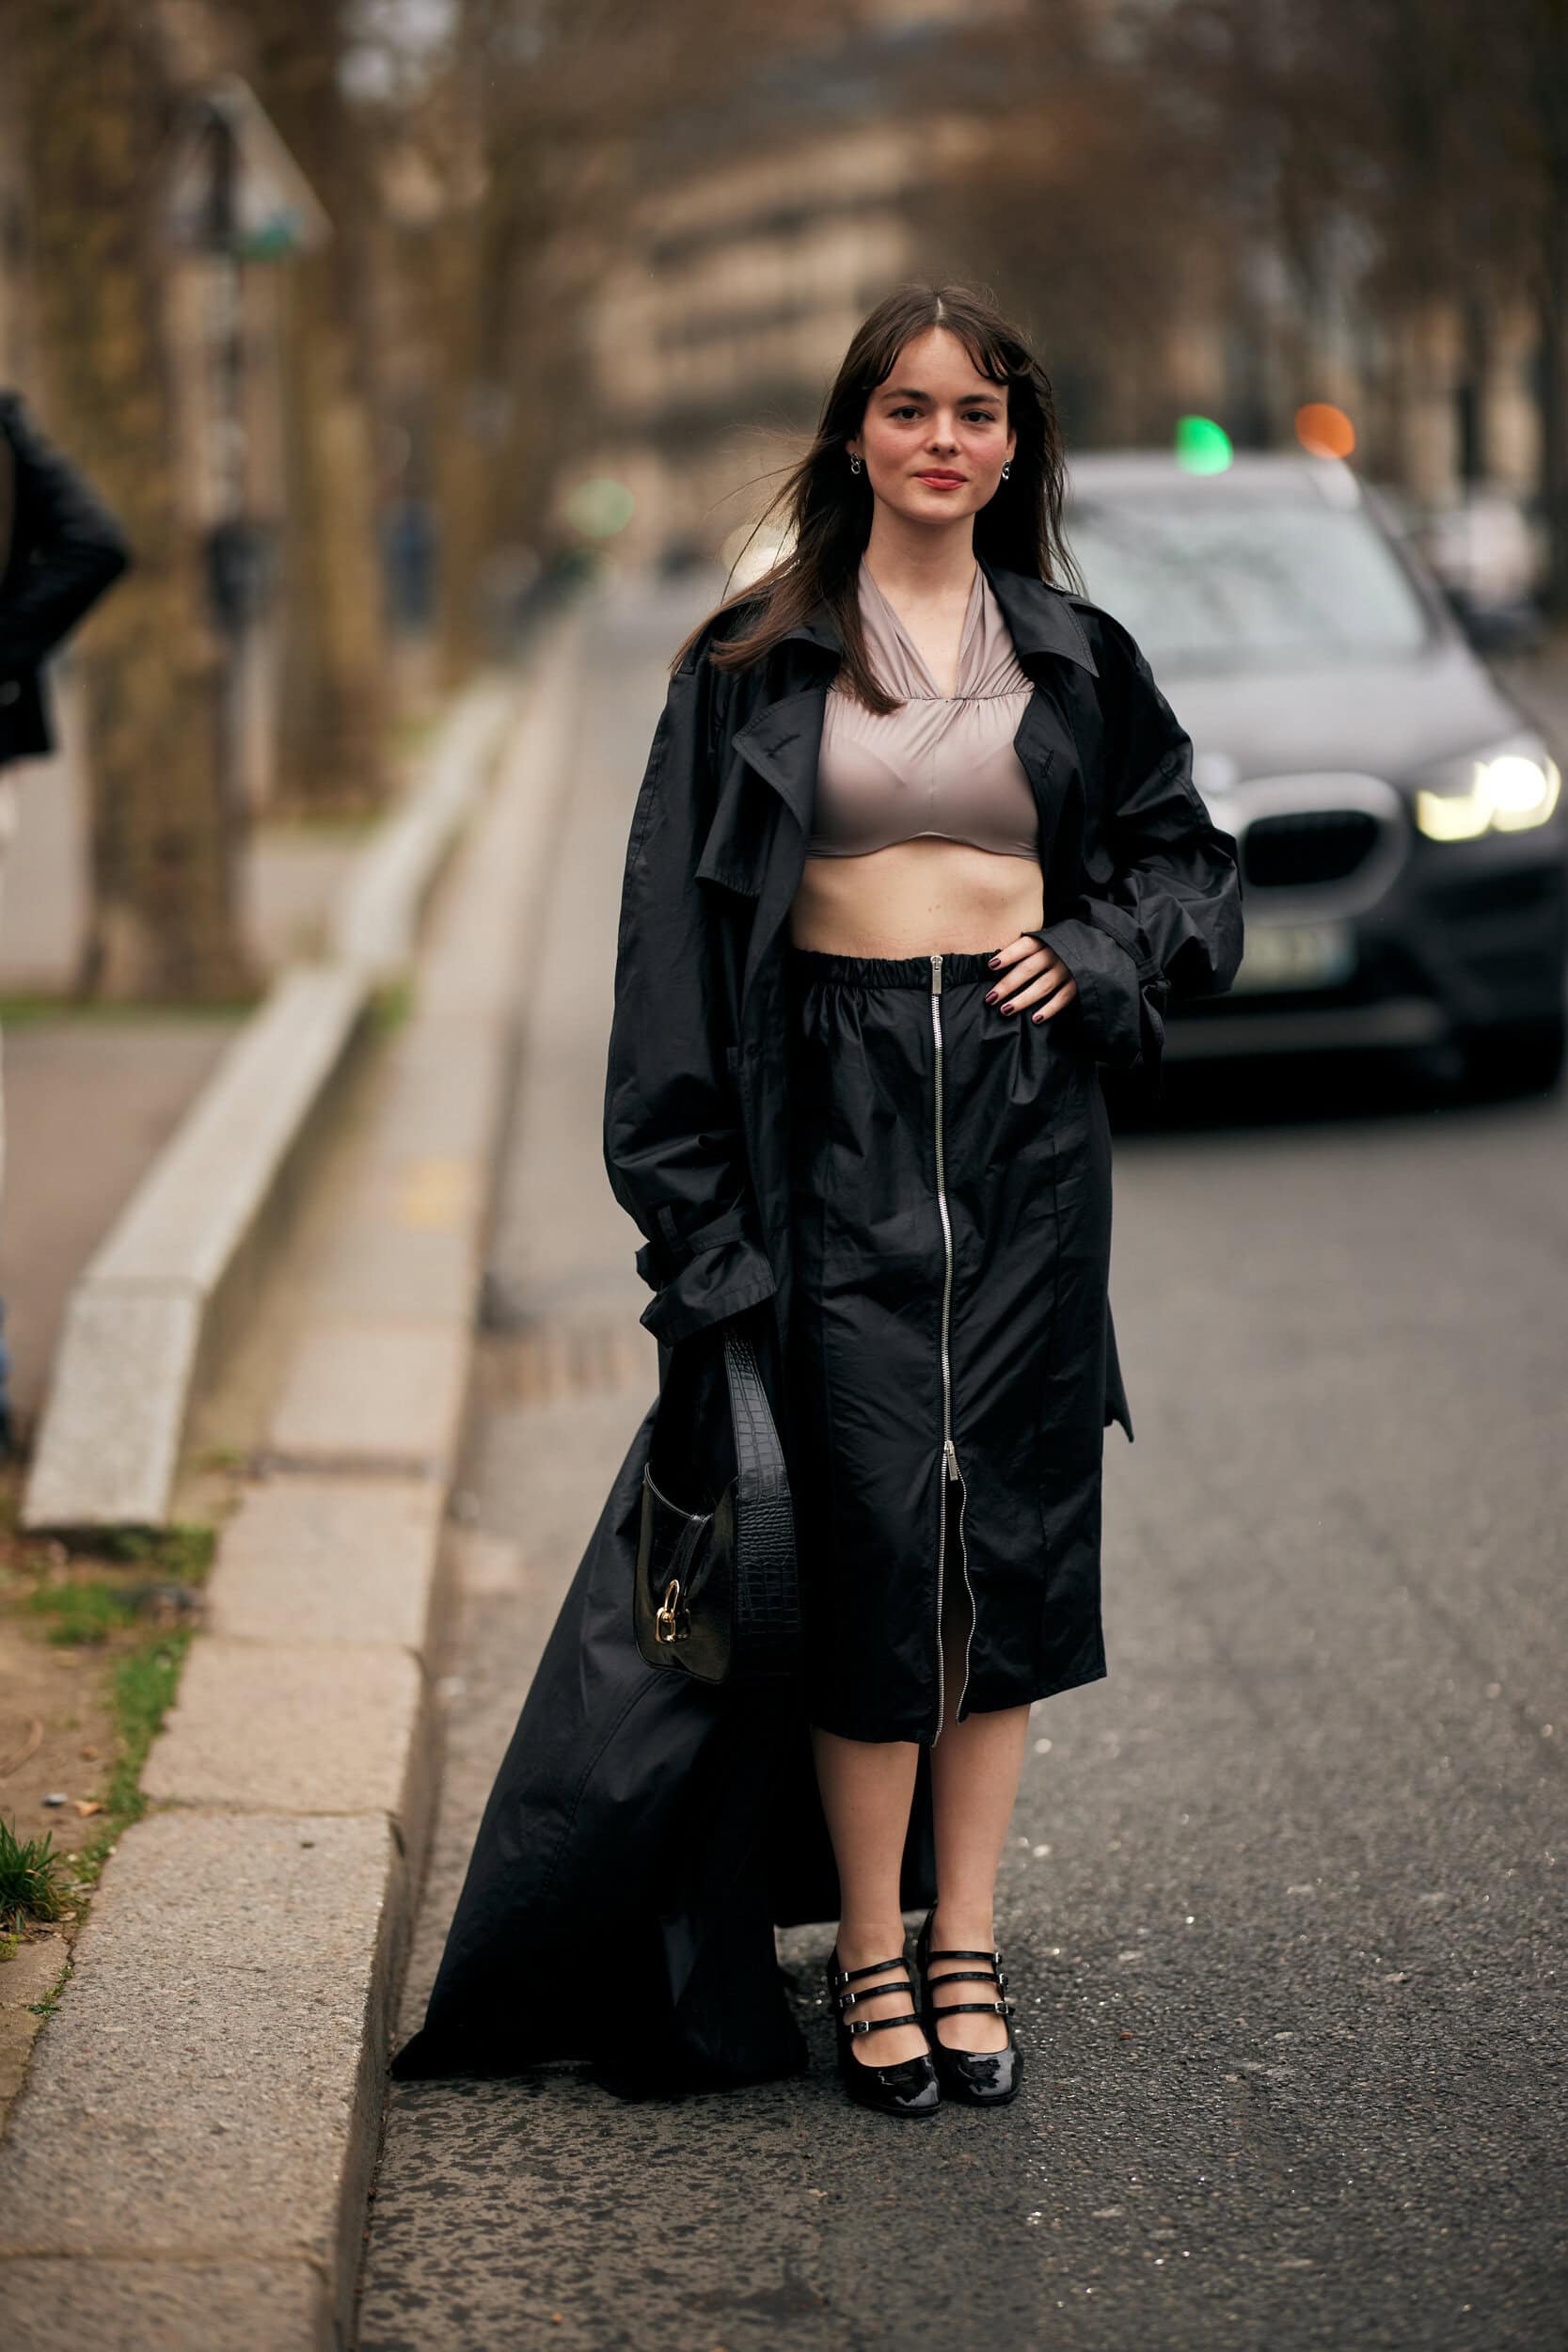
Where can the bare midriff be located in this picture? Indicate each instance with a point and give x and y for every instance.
(916, 897)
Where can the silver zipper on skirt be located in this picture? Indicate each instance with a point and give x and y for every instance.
(951, 1472)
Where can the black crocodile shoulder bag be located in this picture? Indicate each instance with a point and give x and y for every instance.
(717, 1590)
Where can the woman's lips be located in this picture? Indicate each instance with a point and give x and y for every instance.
(941, 480)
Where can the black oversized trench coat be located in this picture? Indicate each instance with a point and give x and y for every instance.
(644, 1833)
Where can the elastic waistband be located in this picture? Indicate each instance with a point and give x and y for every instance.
(815, 964)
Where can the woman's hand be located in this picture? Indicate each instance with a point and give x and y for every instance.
(1030, 974)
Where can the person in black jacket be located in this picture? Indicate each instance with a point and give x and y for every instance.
(853, 1105)
(59, 549)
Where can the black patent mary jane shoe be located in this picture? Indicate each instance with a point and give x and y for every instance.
(909, 2088)
(980, 2078)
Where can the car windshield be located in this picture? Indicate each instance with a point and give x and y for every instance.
(1234, 585)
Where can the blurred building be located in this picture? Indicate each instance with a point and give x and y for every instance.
(733, 289)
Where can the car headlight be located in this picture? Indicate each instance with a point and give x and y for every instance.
(1514, 788)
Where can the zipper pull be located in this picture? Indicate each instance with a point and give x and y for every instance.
(951, 1452)
(936, 973)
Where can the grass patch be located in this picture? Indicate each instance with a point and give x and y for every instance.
(50, 2000)
(88, 1612)
(31, 1887)
(338, 822)
(226, 1456)
(18, 1013)
(145, 1682)
(391, 1006)
(142, 1691)
(129, 1595)
(183, 1552)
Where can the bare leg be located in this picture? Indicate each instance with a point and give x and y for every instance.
(867, 1789)
(974, 1774)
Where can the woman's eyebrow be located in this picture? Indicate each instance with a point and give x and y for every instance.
(910, 391)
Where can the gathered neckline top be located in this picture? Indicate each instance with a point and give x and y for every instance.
(942, 765)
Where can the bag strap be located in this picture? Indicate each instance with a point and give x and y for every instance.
(767, 1609)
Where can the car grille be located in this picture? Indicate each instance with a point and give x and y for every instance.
(1301, 848)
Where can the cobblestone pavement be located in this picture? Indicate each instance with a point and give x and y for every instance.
(1285, 1901)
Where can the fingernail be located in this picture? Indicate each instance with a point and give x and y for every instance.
(1040, 1016)
(994, 961)
(992, 995)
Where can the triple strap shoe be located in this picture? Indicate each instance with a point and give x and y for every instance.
(909, 2088)
(979, 2079)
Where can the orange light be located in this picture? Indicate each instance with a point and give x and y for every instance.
(1324, 431)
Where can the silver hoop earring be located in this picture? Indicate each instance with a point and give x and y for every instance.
(854, 465)
(1006, 468)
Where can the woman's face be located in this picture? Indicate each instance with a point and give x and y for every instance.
(935, 417)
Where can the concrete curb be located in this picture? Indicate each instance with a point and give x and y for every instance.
(188, 2163)
(376, 920)
(159, 1303)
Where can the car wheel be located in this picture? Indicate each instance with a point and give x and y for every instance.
(1525, 1057)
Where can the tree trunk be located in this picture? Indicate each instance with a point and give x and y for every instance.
(98, 112)
(335, 653)
(331, 756)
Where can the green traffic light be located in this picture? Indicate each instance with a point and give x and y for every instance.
(1201, 445)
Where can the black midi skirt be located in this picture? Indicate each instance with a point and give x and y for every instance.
(951, 1233)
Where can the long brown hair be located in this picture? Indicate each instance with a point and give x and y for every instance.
(828, 509)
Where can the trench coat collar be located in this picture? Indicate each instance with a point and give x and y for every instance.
(1039, 616)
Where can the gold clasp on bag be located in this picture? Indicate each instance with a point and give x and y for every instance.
(665, 1626)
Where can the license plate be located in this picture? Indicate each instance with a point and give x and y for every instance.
(1296, 955)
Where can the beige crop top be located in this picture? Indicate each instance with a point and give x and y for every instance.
(942, 764)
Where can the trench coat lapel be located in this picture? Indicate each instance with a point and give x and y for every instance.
(782, 744)
(782, 740)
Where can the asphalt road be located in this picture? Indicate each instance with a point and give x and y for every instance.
(1285, 1903)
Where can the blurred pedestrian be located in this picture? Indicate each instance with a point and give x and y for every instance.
(59, 549)
(916, 852)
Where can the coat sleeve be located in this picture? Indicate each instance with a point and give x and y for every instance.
(76, 548)
(673, 1146)
(1162, 914)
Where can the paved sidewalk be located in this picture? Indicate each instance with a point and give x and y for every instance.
(188, 2163)
(92, 1093)
(91, 1098)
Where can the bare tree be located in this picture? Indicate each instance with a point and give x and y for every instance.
(546, 124)
(335, 655)
(165, 921)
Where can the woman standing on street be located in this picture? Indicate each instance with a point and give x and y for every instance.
(916, 850)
